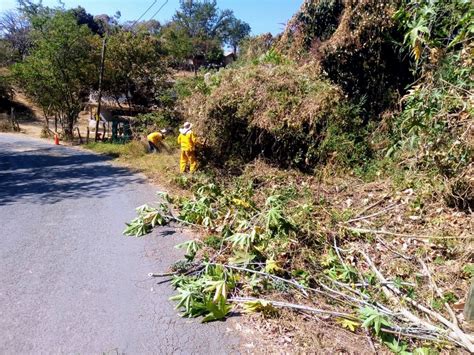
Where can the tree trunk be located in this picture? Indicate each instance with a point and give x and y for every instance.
(195, 68)
(68, 127)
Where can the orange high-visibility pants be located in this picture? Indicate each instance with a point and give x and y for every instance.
(188, 156)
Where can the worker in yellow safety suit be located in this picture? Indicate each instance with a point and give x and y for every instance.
(187, 141)
(154, 140)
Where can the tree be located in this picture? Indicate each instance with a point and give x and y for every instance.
(106, 23)
(59, 71)
(85, 18)
(202, 18)
(150, 26)
(236, 31)
(198, 31)
(135, 67)
(7, 53)
(15, 30)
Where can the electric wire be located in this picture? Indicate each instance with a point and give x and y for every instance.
(156, 13)
(146, 11)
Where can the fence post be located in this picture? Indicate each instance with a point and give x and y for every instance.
(12, 118)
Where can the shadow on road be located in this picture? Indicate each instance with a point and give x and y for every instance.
(49, 175)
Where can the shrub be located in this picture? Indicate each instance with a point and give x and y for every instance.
(355, 43)
(5, 92)
(145, 123)
(285, 113)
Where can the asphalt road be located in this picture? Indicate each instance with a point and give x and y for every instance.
(69, 281)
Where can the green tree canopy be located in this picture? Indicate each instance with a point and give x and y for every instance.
(135, 67)
(199, 29)
(61, 67)
(236, 31)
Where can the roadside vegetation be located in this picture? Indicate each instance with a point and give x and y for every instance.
(336, 182)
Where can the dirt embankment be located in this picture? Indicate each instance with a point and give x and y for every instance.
(31, 117)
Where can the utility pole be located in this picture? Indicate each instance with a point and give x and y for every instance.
(101, 78)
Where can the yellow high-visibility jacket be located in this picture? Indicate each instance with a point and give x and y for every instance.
(155, 137)
(187, 141)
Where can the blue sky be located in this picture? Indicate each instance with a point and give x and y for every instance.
(262, 15)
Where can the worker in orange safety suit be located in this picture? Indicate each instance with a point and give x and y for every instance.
(187, 141)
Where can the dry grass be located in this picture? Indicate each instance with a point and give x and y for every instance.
(427, 230)
(161, 168)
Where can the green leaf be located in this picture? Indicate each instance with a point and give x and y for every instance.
(348, 324)
(220, 288)
(191, 246)
(216, 310)
(241, 258)
(373, 319)
(263, 306)
(271, 266)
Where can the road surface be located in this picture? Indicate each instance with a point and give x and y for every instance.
(69, 281)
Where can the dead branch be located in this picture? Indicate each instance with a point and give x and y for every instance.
(291, 282)
(411, 236)
(394, 251)
(369, 340)
(371, 206)
(165, 274)
(385, 210)
(299, 307)
(439, 293)
(393, 294)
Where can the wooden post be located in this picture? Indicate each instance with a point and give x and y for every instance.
(12, 118)
(87, 135)
(101, 77)
(469, 307)
(79, 135)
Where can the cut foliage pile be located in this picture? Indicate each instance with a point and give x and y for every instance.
(347, 252)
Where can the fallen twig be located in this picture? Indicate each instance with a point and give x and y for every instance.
(455, 334)
(371, 206)
(388, 208)
(394, 251)
(369, 340)
(411, 236)
(291, 282)
(331, 293)
(292, 306)
(439, 293)
(165, 274)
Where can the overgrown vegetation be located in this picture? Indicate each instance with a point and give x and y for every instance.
(339, 177)
(269, 245)
(378, 255)
(279, 111)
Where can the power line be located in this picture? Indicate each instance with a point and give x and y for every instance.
(156, 13)
(149, 7)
